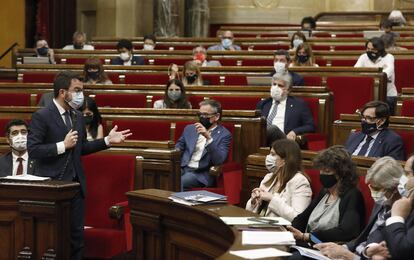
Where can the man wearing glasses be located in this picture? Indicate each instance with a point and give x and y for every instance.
(227, 40)
(375, 139)
(202, 145)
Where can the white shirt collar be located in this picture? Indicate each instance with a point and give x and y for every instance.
(281, 102)
(375, 135)
(59, 107)
(25, 157)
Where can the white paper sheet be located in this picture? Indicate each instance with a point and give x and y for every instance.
(267, 238)
(260, 253)
(311, 253)
(25, 177)
(244, 221)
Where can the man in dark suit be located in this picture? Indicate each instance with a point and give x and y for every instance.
(126, 55)
(17, 161)
(281, 63)
(203, 144)
(57, 139)
(291, 114)
(375, 139)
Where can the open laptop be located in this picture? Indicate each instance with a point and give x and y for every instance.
(372, 34)
(259, 81)
(36, 60)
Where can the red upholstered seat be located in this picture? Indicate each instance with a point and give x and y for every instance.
(312, 81)
(15, 99)
(211, 79)
(344, 89)
(38, 77)
(114, 77)
(237, 103)
(121, 100)
(408, 139)
(316, 185)
(316, 141)
(343, 63)
(320, 47)
(195, 101)
(75, 60)
(321, 62)
(235, 80)
(108, 178)
(145, 129)
(366, 193)
(407, 108)
(228, 62)
(350, 47)
(271, 47)
(146, 78)
(257, 62)
(105, 46)
(168, 61)
(403, 73)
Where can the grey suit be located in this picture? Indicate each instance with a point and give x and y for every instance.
(6, 165)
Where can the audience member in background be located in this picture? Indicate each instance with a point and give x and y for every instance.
(94, 73)
(42, 50)
(17, 161)
(297, 39)
(202, 145)
(126, 55)
(192, 74)
(337, 213)
(389, 42)
(149, 42)
(303, 56)
(377, 57)
(79, 42)
(200, 57)
(375, 138)
(273, 134)
(290, 114)
(174, 96)
(308, 23)
(93, 119)
(45, 99)
(397, 18)
(173, 71)
(227, 40)
(386, 26)
(285, 191)
(382, 179)
(281, 64)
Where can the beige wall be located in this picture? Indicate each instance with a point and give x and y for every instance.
(12, 27)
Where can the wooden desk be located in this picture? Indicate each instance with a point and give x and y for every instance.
(163, 229)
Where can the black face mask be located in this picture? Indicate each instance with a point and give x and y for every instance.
(328, 180)
(368, 128)
(88, 119)
(303, 58)
(373, 56)
(43, 51)
(205, 122)
(78, 46)
(93, 75)
(191, 78)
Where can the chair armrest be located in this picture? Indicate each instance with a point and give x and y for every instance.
(117, 211)
(216, 170)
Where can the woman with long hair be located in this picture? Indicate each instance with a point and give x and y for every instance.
(92, 118)
(174, 96)
(94, 73)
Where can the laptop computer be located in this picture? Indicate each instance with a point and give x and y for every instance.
(372, 34)
(36, 60)
(259, 81)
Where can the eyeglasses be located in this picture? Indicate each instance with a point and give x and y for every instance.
(206, 115)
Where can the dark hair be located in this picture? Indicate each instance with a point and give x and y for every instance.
(382, 110)
(310, 20)
(214, 104)
(14, 122)
(300, 34)
(338, 159)
(182, 102)
(289, 151)
(386, 24)
(273, 134)
(63, 80)
(94, 63)
(124, 43)
(97, 118)
(282, 52)
(388, 39)
(150, 37)
(378, 44)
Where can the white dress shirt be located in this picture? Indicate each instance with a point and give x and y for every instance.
(199, 149)
(25, 161)
(387, 65)
(374, 137)
(86, 47)
(279, 119)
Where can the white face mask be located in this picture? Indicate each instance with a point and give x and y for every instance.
(19, 142)
(77, 100)
(270, 163)
(297, 42)
(378, 196)
(226, 43)
(124, 56)
(280, 67)
(276, 93)
(148, 47)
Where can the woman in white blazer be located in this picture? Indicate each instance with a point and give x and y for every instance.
(285, 191)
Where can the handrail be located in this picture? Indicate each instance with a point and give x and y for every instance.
(9, 49)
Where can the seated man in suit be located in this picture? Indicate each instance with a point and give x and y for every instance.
(200, 57)
(16, 162)
(291, 114)
(203, 144)
(79, 42)
(281, 64)
(375, 139)
(227, 40)
(126, 55)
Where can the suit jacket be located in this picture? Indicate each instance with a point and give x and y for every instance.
(46, 99)
(387, 143)
(298, 116)
(48, 128)
(6, 165)
(297, 80)
(136, 60)
(214, 154)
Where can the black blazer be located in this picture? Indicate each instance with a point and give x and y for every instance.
(48, 128)
(6, 165)
(351, 217)
(298, 116)
(136, 60)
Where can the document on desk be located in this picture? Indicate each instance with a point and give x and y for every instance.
(25, 177)
(260, 253)
(267, 238)
(276, 221)
(311, 253)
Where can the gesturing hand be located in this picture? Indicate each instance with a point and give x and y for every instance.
(202, 130)
(116, 137)
(70, 139)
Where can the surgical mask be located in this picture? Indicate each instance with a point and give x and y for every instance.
(368, 128)
(276, 93)
(43, 51)
(280, 67)
(401, 187)
(328, 181)
(78, 46)
(271, 164)
(174, 95)
(93, 74)
(303, 58)
(205, 121)
(76, 101)
(124, 56)
(191, 78)
(19, 142)
(297, 42)
(226, 43)
(373, 56)
(148, 47)
(378, 196)
(88, 119)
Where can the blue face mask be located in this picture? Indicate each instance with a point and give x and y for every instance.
(226, 43)
(76, 101)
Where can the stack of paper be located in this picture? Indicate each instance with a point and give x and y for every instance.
(197, 197)
(267, 238)
(260, 253)
(275, 221)
(25, 177)
(311, 253)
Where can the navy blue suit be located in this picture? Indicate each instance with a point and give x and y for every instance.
(297, 80)
(298, 117)
(387, 143)
(46, 129)
(214, 154)
(136, 60)
(6, 165)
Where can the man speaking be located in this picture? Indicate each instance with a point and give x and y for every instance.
(57, 139)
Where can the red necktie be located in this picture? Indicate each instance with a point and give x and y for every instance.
(20, 166)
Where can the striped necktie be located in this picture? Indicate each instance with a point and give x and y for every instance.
(272, 114)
